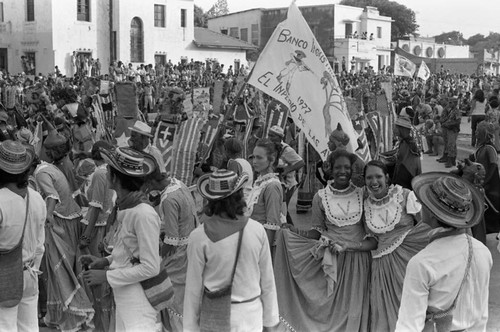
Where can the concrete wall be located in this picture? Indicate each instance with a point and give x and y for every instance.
(172, 39)
(20, 36)
(240, 20)
(226, 57)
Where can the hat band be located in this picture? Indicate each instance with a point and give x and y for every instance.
(449, 205)
(127, 162)
(13, 158)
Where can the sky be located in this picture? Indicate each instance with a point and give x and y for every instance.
(433, 16)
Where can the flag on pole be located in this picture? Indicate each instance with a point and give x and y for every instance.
(403, 66)
(164, 141)
(294, 70)
(185, 146)
(424, 71)
(363, 150)
(276, 115)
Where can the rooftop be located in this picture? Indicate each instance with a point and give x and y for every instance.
(210, 39)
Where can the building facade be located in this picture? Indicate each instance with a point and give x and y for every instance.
(338, 29)
(428, 48)
(37, 35)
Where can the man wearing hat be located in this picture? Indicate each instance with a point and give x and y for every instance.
(289, 162)
(450, 120)
(22, 218)
(140, 140)
(408, 163)
(446, 284)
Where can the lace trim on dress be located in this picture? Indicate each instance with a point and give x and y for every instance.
(382, 215)
(176, 241)
(392, 247)
(342, 208)
(258, 187)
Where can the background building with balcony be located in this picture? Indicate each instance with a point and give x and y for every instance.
(47, 32)
(334, 26)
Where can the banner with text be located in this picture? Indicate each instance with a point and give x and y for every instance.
(294, 70)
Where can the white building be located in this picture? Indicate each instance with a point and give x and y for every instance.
(47, 32)
(428, 48)
(354, 50)
(334, 26)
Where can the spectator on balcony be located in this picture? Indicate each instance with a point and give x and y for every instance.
(371, 36)
(355, 35)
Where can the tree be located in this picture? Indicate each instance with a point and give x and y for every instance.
(200, 17)
(405, 22)
(453, 37)
(473, 40)
(218, 9)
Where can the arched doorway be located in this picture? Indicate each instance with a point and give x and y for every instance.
(136, 40)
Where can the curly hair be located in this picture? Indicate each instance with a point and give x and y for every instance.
(232, 205)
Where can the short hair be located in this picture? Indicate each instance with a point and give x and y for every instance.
(339, 153)
(272, 149)
(233, 146)
(233, 205)
(128, 182)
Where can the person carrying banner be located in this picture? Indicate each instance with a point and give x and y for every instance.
(446, 284)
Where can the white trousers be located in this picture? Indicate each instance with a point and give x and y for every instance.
(24, 316)
(134, 313)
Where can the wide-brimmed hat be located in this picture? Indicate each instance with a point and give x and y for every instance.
(277, 130)
(220, 184)
(453, 201)
(141, 128)
(14, 157)
(129, 161)
(403, 121)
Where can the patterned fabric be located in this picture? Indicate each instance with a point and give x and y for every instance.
(184, 150)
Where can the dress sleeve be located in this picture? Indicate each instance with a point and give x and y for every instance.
(99, 190)
(414, 298)
(46, 186)
(147, 230)
(194, 283)
(273, 198)
(170, 210)
(318, 214)
(413, 206)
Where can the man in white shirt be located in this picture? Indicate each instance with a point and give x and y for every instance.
(140, 140)
(22, 218)
(446, 284)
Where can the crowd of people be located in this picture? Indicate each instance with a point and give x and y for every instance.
(112, 242)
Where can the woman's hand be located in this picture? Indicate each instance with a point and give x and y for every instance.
(94, 277)
(339, 246)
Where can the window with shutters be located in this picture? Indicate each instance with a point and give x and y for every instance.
(160, 16)
(183, 18)
(30, 10)
(234, 32)
(136, 40)
(83, 10)
(255, 34)
(244, 34)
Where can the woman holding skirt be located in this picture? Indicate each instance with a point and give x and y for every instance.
(391, 216)
(322, 275)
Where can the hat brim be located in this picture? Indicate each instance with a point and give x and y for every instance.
(148, 166)
(140, 132)
(204, 189)
(422, 188)
(18, 168)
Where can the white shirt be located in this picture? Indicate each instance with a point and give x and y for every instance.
(137, 236)
(12, 216)
(433, 278)
(254, 272)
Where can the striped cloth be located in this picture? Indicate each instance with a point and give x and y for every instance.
(186, 143)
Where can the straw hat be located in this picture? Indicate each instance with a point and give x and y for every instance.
(220, 184)
(129, 161)
(277, 130)
(453, 201)
(141, 128)
(14, 157)
(403, 121)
